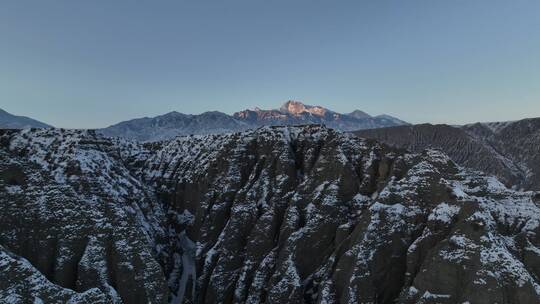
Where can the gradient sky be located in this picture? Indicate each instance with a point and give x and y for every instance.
(94, 63)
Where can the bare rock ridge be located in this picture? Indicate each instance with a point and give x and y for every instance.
(508, 150)
(291, 113)
(300, 214)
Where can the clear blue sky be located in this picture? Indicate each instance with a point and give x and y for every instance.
(94, 63)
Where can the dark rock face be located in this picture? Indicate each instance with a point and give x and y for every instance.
(510, 150)
(518, 141)
(277, 215)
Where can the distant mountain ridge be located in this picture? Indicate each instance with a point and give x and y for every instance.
(174, 124)
(295, 112)
(10, 121)
(290, 113)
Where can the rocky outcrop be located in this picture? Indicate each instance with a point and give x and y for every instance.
(278, 215)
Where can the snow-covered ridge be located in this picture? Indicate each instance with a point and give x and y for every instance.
(275, 214)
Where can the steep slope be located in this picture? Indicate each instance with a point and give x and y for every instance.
(278, 215)
(518, 141)
(291, 113)
(462, 147)
(509, 150)
(10, 121)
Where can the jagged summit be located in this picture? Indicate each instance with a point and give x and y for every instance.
(295, 112)
(293, 107)
(296, 108)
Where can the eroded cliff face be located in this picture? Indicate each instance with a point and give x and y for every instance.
(76, 226)
(277, 215)
(508, 150)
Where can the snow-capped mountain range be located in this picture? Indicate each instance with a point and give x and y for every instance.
(291, 113)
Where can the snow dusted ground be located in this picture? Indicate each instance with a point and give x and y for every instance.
(278, 214)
